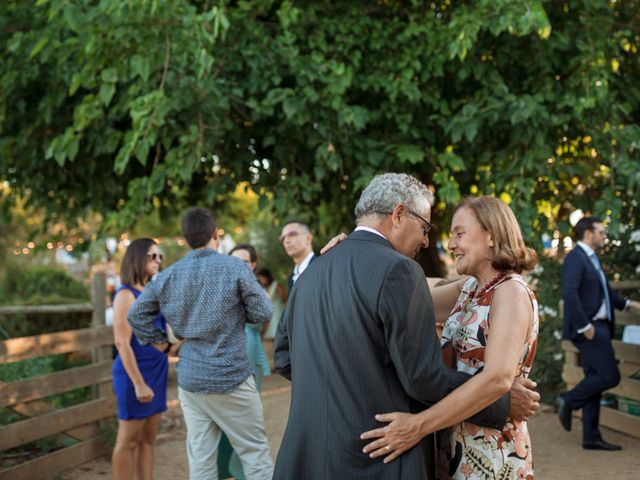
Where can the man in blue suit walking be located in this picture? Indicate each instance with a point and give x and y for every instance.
(589, 323)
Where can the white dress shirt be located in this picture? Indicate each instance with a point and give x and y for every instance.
(370, 230)
(298, 269)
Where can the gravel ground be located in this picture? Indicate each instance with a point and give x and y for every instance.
(557, 454)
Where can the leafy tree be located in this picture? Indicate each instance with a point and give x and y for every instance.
(123, 107)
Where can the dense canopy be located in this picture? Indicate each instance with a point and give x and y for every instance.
(122, 107)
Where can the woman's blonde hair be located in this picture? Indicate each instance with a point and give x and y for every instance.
(495, 217)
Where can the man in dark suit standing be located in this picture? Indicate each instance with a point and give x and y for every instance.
(358, 338)
(296, 238)
(589, 322)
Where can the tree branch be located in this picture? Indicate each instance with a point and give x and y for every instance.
(167, 59)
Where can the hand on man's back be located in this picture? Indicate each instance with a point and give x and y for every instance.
(524, 400)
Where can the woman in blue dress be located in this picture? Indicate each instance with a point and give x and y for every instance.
(139, 373)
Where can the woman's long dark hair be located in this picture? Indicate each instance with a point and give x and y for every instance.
(134, 264)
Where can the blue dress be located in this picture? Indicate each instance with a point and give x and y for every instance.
(153, 365)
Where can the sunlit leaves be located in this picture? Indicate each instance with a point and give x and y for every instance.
(494, 96)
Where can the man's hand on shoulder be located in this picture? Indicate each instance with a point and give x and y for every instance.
(524, 400)
(341, 237)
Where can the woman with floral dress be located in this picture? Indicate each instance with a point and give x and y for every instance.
(492, 333)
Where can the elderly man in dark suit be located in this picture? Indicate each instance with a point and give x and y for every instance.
(358, 338)
(589, 322)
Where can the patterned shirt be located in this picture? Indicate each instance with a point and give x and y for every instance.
(207, 298)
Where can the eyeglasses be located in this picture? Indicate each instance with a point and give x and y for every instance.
(427, 229)
(291, 234)
(156, 257)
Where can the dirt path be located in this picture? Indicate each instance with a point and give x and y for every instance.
(557, 454)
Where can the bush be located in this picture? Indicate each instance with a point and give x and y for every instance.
(34, 284)
(40, 285)
(547, 368)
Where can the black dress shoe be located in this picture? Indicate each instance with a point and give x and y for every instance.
(601, 445)
(564, 413)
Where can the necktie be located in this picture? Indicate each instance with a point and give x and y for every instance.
(603, 283)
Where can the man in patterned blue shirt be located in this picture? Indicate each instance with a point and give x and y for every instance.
(207, 298)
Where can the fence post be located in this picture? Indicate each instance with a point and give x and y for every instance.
(99, 354)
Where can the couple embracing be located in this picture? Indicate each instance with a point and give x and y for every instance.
(370, 380)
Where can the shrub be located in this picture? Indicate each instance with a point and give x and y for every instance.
(547, 368)
(40, 285)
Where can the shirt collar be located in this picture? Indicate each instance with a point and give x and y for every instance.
(298, 269)
(370, 230)
(588, 250)
(201, 252)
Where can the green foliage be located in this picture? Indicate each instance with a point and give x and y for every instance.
(40, 285)
(622, 253)
(547, 368)
(159, 104)
(109, 431)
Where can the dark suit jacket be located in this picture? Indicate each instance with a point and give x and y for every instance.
(582, 294)
(358, 338)
(290, 279)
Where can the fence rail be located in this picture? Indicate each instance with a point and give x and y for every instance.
(27, 397)
(23, 348)
(42, 309)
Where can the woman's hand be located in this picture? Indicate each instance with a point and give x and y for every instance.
(402, 433)
(175, 348)
(144, 394)
(333, 242)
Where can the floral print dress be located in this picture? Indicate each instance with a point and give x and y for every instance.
(468, 451)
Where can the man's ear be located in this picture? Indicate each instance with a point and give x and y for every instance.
(398, 211)
(215, 235)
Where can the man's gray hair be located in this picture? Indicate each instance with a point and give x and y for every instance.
(386, 191)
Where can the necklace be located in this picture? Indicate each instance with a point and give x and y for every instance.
(487, 287)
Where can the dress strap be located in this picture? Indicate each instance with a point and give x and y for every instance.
(135, 291)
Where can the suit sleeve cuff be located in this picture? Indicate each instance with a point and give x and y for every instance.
(585, 328)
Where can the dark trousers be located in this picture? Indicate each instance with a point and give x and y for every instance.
(600, 373)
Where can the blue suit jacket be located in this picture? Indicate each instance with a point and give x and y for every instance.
(582, 294)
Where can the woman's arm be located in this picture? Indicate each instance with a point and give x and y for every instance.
(445, 296)
(510, 320)
(122, 340)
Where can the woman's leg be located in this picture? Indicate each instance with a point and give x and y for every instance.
(127, 441)
(147, 445)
